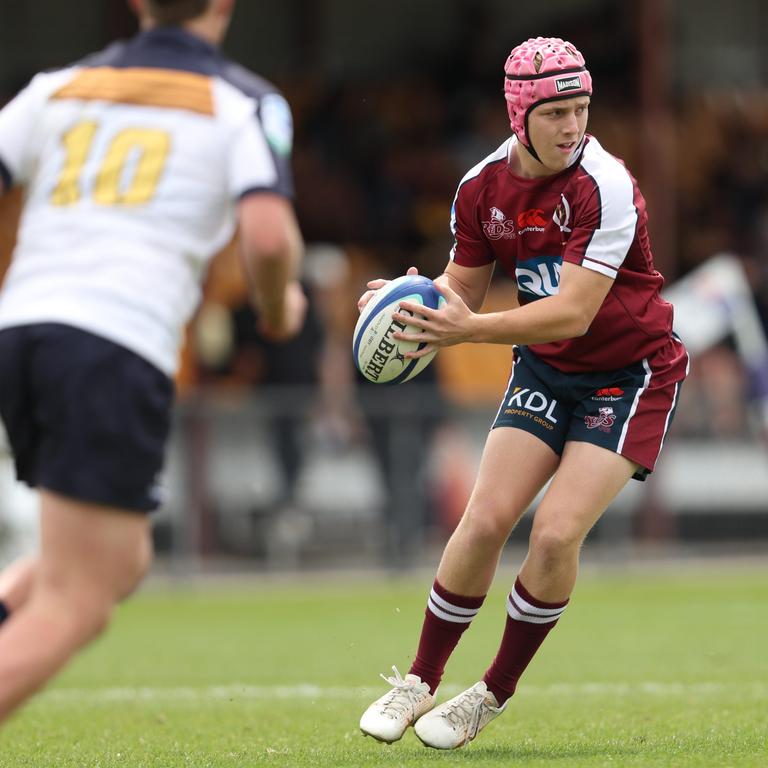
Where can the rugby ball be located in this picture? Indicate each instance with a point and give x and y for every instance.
(378, 355)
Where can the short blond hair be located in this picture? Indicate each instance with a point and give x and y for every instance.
(176, 11)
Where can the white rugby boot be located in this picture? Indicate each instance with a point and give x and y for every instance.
(388, 717)
(460, 719)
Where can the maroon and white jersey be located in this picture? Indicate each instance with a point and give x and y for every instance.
(591, 214)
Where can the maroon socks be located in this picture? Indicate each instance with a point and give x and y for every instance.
(446, 618)
(528, 622)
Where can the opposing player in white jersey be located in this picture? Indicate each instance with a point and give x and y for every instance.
(139, 163)
(596, 376)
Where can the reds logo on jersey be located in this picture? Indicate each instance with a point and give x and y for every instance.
(604, 421)
(499, 226)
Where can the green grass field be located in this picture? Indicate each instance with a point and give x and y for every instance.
(653, 669)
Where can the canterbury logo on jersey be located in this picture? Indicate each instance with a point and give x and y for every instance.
(539, 276)
(531, 220)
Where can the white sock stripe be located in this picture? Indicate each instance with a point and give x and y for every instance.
(515, 613)
(527, 607)
(446, 606)
(441, 614)
(524, 611)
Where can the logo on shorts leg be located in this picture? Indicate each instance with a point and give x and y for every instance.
(530, 403)
(604, 421)
(608, 394)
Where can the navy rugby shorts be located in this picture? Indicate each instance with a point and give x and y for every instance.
(85, 418)
(627, 411)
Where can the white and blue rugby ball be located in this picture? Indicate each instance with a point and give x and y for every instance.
(378, 355)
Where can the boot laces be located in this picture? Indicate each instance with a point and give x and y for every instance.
(405, 695)
(467, 711)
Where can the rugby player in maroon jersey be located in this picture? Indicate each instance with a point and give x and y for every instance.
(596, 376)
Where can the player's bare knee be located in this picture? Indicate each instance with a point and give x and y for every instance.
(134, 580)
(81, 609)
(97, 617)
(133, 570)
(552, 542)
(113, 576)
(486, 526)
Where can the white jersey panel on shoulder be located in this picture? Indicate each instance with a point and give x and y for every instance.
(618, 215)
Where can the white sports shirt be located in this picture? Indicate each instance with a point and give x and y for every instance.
(133, 163)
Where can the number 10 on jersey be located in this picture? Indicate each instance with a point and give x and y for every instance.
(128, 173)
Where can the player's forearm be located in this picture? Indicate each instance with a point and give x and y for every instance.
(270, 280)
(472, 296)
(543, 321)
(270, 269)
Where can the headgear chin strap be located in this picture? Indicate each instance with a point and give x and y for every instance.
(538, 70)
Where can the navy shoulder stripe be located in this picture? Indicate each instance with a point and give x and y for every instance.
(104, 58)
(5, 175)
(160, 48)
(173, 48)
(244, 80)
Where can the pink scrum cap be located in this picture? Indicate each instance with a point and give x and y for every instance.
(538, 70)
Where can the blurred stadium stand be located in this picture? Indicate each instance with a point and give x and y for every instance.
(393, 102)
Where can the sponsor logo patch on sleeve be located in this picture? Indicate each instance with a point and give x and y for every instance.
(277, 123)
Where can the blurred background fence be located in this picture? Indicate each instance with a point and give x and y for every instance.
(283, 456)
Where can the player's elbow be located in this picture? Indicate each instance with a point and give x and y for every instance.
(583, 323)
(577, 321)
(269, 233)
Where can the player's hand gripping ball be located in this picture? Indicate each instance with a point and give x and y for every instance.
(378, 355)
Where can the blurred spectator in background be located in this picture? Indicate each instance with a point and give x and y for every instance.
(317, 401)
(305, 383)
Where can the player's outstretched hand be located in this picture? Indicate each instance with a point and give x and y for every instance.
(294, 312)
(451, 324)
(374, 285)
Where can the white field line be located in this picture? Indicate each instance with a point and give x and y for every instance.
(308, 692)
